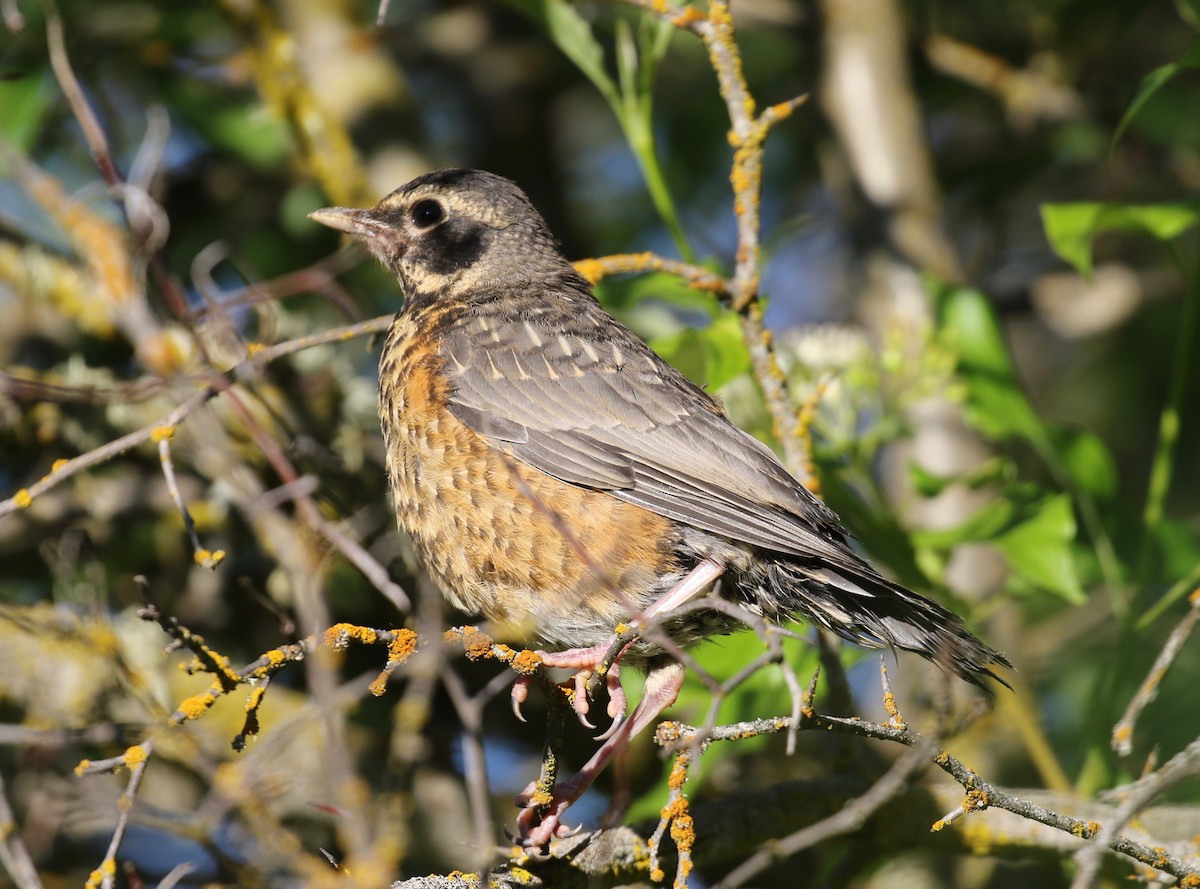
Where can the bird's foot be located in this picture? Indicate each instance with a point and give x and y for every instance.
(585, 661)
(540, 819)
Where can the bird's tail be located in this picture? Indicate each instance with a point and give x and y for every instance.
(868, 609)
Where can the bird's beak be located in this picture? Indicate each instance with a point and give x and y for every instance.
(362, 223)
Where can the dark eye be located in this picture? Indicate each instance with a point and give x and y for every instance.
(426, 213)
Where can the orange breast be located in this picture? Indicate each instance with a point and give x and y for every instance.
(502, 539)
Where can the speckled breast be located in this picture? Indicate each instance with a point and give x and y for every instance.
(559, 563)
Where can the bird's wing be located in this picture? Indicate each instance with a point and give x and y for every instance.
(584, 400)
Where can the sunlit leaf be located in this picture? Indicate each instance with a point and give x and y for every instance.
(1039, 549)
(1071, 228)
(996, 403)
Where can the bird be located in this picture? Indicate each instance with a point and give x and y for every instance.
(556, 475)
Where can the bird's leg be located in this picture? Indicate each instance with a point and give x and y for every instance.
(588, 660)
(692, 585)
(538, 824)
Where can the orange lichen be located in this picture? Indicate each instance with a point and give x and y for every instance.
(526, 662)
(476, 644)
(339, 635)
(403, 644)
(688, 17)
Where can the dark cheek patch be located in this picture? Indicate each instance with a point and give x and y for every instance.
(453, 246)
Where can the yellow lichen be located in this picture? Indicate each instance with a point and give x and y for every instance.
(206, 559)
(195, 706)
(135, 755)
(162, 433)
(592, 269)
(22, 498)
(108, 868)
(254, 699)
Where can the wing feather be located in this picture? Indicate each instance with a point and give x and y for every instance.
(589, 403)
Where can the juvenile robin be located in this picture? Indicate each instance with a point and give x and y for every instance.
(557, 475)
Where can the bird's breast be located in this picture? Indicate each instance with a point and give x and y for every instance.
(560, 562)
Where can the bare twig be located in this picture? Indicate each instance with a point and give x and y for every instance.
(848, 819)
(135, 758)
(1180, 767)
(1122, 734)
(14, 857)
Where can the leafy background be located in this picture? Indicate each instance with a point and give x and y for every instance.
(1065, 150)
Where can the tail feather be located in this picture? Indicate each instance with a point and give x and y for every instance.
(870, 610)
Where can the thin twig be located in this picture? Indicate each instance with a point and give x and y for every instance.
(136, 758)
(848, 819)
(1180, 767)
(14, 857)
(1122, 733)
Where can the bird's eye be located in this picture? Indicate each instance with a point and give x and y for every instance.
(426, 213)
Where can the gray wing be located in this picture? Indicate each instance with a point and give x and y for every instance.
(585, 401)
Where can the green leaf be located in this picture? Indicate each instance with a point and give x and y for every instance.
(1089, 462)
(1039, 549)
(25, 102)
(995, 403)
(967, 318)
(1071, 228)
(709, 356)
(260, 139)
(573, 36)
(930, 484)
(987, 523)
(1159, 77)
(725, 352)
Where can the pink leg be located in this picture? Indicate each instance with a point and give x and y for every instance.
(586, 660)
(690, 587)
(538, 825)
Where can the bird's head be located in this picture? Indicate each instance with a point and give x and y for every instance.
(451, 232)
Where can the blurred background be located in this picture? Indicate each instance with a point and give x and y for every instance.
(1003, 384)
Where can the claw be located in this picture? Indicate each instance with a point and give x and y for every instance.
(612, 729)
(580, 701)
(617, 703)
(520, 692)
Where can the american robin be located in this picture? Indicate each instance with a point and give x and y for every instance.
(556, 474)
